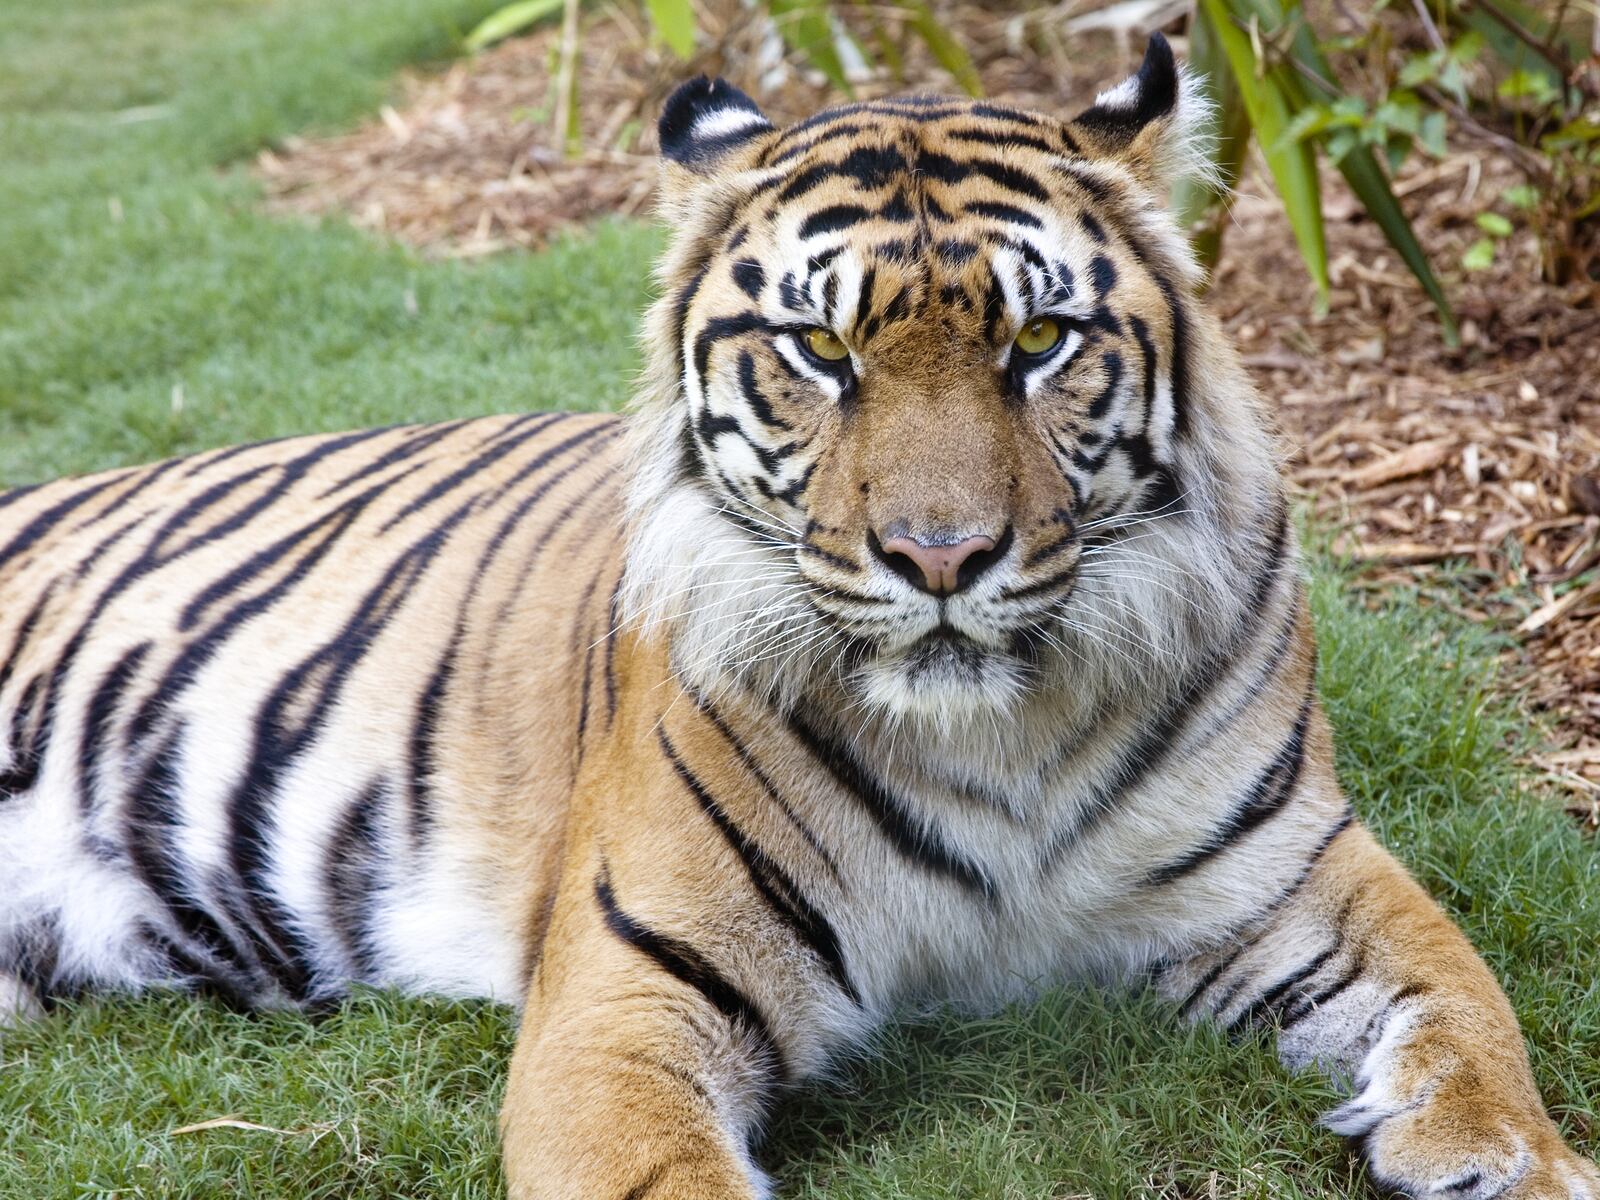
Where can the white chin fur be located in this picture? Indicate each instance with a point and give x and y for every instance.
(947, 689)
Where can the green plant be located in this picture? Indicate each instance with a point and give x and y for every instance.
(1396, 80)
(1283, 82)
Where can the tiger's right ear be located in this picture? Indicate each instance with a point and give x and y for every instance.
(708, 127)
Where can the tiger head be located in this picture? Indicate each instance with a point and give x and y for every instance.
(932, 421)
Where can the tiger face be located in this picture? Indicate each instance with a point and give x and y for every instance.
(917, 363)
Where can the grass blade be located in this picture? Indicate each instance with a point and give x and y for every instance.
(950, 54)
(805, 26)
(513, 18)
(674, 21)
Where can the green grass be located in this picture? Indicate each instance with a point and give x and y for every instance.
(257, 327)
(273, 328)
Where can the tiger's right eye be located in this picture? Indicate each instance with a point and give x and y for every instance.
(1039, 336)
(826, 345)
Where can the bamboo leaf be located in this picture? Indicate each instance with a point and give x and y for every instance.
(674, 21)
(513, 18)
(950, 54)
(1293, 164)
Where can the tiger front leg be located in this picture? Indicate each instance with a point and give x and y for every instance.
(1363, 975)
(639, 1071)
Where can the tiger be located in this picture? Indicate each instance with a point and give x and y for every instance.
(931, 630)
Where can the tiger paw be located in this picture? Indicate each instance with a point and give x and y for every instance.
(1467, 1148)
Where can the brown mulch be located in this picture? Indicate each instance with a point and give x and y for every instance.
(1470, 473)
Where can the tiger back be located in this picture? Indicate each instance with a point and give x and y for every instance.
(261, 704)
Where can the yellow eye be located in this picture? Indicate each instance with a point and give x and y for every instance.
(826, 346)
(1038, 336)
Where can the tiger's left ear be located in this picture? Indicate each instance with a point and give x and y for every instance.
(1155, 123)
(708, 128)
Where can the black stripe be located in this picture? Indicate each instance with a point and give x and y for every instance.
(1180, 354)
(309, 545)
(35, 530)
(832, 219)
(1039, 586)
(643, 1188)
(32, 954)
(829, 557)
(718, 328)
(424, 734)
(1266, 797)
(152, 820)
(181, 967)
(844, 129)
(26, 762)
(753, 395)
(1186, 1006)
(24, 634)
(1165, 733)
(1147, 356)
(197, 463)
(290, 719)
(1345, 820)
(953, 170)
(1099, 190)
(1001, 112)
(996, 210)
(1101, 404)
(1002, 137)
(470, 470)
(921, 846)
(415, 443)
(1333, 991)
(747, 273)
(611, 650)
(12, 495)
(352, 875)
(1269, 999)
(745, 756)
(424, 728)
(868, 167)
(97, 721)
(148, 477)
(776, 885)
(686, 964)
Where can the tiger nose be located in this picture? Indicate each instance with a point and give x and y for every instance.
(939, 568)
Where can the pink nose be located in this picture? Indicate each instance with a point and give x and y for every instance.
(935, 569)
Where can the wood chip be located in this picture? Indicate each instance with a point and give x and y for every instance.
(1413, 460)
(1541, 617)
(1401, 554)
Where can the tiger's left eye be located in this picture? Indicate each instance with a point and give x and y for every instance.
(1039, 336)
(825, 345)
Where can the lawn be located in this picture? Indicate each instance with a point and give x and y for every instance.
(147, 309)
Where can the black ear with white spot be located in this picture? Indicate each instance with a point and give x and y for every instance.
(705, 122)
(1155, 122)
(1119, 113)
